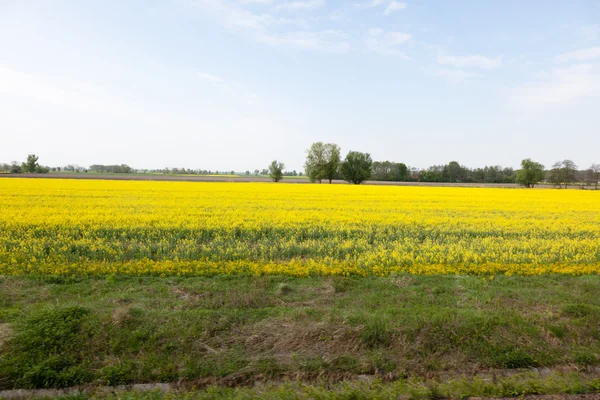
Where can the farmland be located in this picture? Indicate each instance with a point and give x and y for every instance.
(255, 290)
(68, 227)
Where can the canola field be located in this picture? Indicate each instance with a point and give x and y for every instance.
(81, 227)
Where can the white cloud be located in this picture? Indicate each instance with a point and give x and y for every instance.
(210, 77)
(558, 87)
(474, 61)
(394, 6)
(387, 43)
(266, 28)
(593, 53)
(255, 1)
(371, 4)
(301, 5)
(75, 96)
(390, 5)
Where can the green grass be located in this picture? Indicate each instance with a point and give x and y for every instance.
(236, 331)
(516, 385)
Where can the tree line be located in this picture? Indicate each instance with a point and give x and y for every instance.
(324, 163)
(30, 165)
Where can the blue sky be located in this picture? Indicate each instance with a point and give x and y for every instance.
(233, 84)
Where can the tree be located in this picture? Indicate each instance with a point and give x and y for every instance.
(454, 172)
(400, 172)
(556, 174)
(331, 167)
(315, 159)
(356, 168)
(322, 161)
(569, 172)
(31, 164)
(15, 168)
(389, 171)
(276, 170)
(595, 174)
(530, 174)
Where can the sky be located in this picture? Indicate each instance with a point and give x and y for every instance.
(235, 84)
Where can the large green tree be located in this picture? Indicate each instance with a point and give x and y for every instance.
(31, 164)
(276, 170)
(331, 168)
(531, 173)
(322, 161)
(356, 168)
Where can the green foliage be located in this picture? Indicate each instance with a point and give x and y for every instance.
(284, 289)
(530, 174)
(345, 363)
(237, 330)
(585, 358)
(276, 170)
(31, 164)
(514, 358)
(580, 310)
(49, 350)
(376, 333)
(356, 168)
(389, 171)
(119, 374)
(322, 161)
(16, 169)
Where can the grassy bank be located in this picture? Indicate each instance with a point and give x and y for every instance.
(235, 331)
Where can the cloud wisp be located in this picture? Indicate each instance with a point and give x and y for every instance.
(387, 43)
(270, 28)
(472, 61)
(561, 86)
(389, 6)
(582, 55)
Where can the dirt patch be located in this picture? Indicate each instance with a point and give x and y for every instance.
(186, 294)
(120, 316)
(281, 339)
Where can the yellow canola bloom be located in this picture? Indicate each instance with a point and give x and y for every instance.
(93, 227)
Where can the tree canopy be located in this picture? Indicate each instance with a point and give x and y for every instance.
(531, 173)
(322, 161)
(356, 168)
(276, 170)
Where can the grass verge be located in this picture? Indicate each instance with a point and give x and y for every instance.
(233, 331)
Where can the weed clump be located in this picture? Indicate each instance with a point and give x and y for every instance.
(515, 358)
(283, 289)
(580, 310)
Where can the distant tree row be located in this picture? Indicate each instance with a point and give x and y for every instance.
(453, 172)
(113, 169)
(30, 166)
(324, 162)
